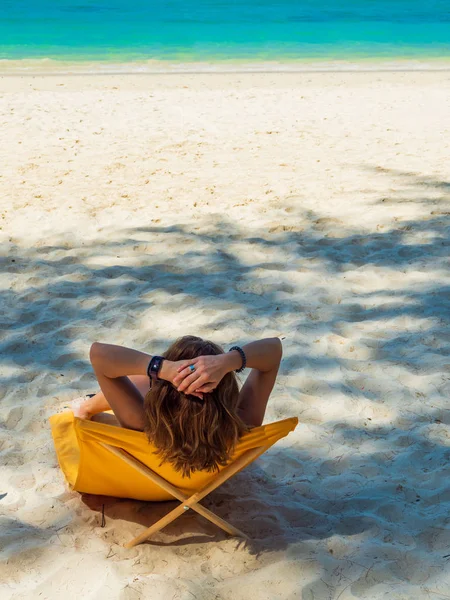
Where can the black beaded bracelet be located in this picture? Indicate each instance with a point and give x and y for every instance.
(244, 359)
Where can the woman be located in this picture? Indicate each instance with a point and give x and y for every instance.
(187, 401)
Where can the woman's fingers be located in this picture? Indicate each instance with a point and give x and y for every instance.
(187, 381)
(185, 373)
(182, 375)
(186, 363)
(208, 387)
(195, 385)
(195, 382)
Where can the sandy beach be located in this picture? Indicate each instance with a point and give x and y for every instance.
(315, 206)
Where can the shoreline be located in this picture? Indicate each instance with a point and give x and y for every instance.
(360, 65)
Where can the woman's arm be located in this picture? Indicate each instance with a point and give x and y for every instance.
(263, 355)
(264, 359)
(118, 361)
(111, 365)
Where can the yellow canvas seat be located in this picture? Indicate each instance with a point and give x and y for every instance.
(97, 458)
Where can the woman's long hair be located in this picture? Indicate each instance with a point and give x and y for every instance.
(193, 434)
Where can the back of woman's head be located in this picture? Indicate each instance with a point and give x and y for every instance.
(191, 433)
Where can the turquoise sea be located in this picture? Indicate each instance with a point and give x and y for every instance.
(208, 30)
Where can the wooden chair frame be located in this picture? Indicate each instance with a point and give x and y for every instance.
(188, 502)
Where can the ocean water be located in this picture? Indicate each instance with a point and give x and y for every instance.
(214, 30)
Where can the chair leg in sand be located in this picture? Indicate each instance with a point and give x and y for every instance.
(187, 502)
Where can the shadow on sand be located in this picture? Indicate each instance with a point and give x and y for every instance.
(287, 275)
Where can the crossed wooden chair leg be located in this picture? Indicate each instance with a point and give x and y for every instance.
(188, 502)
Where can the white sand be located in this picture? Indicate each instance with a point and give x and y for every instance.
(139, 208)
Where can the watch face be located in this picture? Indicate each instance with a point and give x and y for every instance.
(155, 366)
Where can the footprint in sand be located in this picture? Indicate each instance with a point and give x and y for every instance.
(12, 457)
(64, 360)
(21, 481)
(14, 417)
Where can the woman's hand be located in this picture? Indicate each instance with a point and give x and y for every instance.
(209, 370)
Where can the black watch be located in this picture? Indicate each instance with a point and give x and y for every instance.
(154, 367)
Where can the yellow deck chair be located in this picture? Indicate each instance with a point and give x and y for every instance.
(97, 458)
